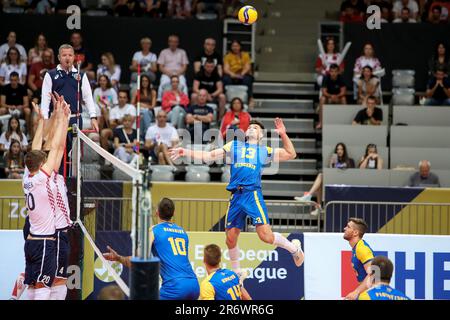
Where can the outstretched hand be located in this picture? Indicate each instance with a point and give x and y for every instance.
(37, 110)
(111, 255)
(176, 153)
(279, 126)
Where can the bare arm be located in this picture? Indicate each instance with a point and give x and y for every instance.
(363, 286)
(38, 135)
(197, 66)
(245, 295)
(205, 156)
(196, 86)
(31, 82)
(288, 151)
(112, 255)
(182, 70)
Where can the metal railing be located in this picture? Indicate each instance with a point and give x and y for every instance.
(390, 217)
(209, 215)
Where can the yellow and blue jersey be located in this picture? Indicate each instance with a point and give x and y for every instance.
(223, 284)
(362, 253)
(170, 245)
(382, 292)
(247, 163)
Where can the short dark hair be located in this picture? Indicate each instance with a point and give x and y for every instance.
(385, 266)
(212, 255)
(13, 74)
(259, 123)
(209, 60)
(124, 91)
(34, 159)
(361, 225)
(334, 66)
(166, 208)
(372, 98)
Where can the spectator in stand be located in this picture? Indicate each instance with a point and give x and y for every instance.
(40, 46)
(424, 177)
(11, 43)
(231, 8)
(368, 85)
(14, 161)
(323, 63)
(237, 69)
(175, 103)
(386, 14)
(410, 4)
(105, 98)
(209, 52)
(359, 6)
(82, 55)
(172, 61)
(146, 59)
(13, 132)
(440, 59)
(405, 16)
(14, 100)
(208, 78)
(200, 116)
(370, 115)
(44, 7)
(179, 9)
(156, 8)
(160, 137)
(339, 160)
(235, 119)
(13, 64)
(148, 103)
(350, 15)
(438, 89)
(439, 12)
(367, 59)
(116, 118)
(137, 7)
(201, 6)
(333, 91)
(125, 140)
(109, 68)
(37, 73)
(371, 159)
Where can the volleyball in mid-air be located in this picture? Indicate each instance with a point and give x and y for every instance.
(248, 15)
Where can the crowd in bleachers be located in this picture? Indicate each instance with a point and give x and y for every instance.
(175, 9)
(218, 96)
(397, 11)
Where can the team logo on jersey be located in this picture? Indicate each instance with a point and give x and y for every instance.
(102, 273)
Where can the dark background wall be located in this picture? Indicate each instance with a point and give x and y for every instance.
(397, 46)
(119, 35)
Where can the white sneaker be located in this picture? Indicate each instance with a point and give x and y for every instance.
(298, 256)
(306, 197)
(315, 212)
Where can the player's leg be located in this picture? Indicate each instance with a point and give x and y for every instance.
(234, 222)
(19, 287)
(59, 288)
(257, 210)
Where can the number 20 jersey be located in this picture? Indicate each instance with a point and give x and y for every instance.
(39, 192)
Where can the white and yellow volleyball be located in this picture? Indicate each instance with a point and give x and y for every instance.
(248, 15)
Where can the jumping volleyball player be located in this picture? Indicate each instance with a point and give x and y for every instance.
(40, 188)
(247, 161)
(62, 210)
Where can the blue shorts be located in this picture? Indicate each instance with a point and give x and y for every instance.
(62, 254)
(246, 203)
(40, 262)
(180, 289)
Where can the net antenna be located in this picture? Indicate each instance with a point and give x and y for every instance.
(140, 219)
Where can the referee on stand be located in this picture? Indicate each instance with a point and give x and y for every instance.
(64, 80)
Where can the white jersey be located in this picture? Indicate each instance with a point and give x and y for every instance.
(62, 203)
(39, 192)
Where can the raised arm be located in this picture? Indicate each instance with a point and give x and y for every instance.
(54, 158)
(205, 156)
(38, 135)
(288, 151)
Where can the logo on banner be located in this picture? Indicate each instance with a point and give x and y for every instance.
(102, 273)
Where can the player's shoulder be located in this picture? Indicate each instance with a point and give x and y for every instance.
(365, 295)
